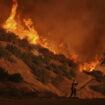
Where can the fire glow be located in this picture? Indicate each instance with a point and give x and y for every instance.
(11, 25)
(88, 66)
(28, 32)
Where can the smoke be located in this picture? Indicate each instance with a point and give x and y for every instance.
(5, 8)
(78, 24)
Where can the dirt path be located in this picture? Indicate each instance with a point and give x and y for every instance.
(47, 101)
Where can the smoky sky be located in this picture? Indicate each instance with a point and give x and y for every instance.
(79, 24)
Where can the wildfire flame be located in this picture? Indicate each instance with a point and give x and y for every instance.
(25, 29)
(11, 25)
(73, 56)
(44, 43)
(28, 32)
(88, 66)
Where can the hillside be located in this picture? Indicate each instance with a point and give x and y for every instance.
(31, 70)
(40, 69)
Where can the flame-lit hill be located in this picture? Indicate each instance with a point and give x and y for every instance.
(27, 69)
(41, 70)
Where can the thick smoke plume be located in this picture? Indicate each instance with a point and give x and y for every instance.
(69, 25)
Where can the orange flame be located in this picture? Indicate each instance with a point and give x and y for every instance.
(44, 43)
(88, 66)
(29, 32)
(73, 56)
(11, 25)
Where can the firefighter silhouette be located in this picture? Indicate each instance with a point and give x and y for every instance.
(74, 88)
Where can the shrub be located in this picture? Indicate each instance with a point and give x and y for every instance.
(62, 70)
(58, 69)
(25, 44)
(7, 36)
(31, 60)
(16, 78)
(73, 72)
(99, 88)
(43, 75)
(13, 49)
(37, 60)
(3, 74)
(54, 68)
(56, 81)
(97, 74)
(4, 53)
(68, 75)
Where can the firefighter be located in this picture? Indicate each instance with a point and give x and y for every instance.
(74, 88)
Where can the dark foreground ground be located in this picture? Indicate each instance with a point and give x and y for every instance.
(53, 101)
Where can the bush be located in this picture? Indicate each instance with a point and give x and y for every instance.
(56, 81)
(37, 60)
(99, 88)
(4, 54)
(73, 72)
(68, 75)
(56, 68)
(31, 60)
(43, 75)
(62, 70)
(8, 37)
(16, 78)
(13, 49)
(97, 74)
(24, 44)
(3, 74)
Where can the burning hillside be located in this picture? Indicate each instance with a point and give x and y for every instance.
(85, 53)
(36, 68)
(48, 45)
(24, 29)
(41, 73)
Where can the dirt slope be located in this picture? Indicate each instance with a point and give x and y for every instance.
(41, 70)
